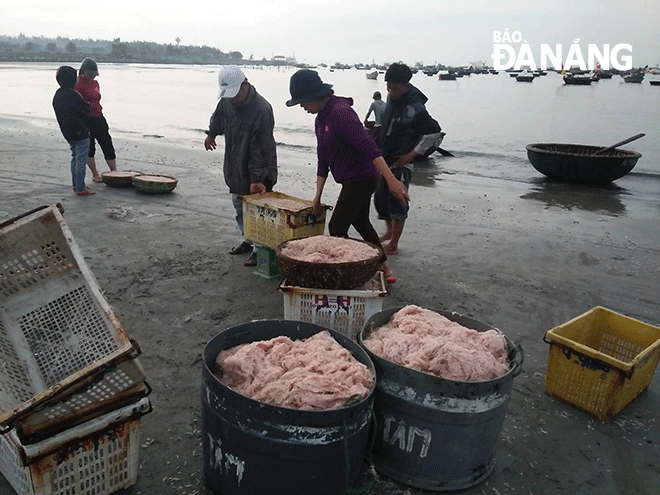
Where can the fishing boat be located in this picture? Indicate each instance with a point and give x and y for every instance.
(579, 163)
(525, 76)
(634, 77)
(372, 75)
(447, 76)
(577, 79)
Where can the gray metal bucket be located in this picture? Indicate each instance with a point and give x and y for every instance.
(252, 448)
(432, 433)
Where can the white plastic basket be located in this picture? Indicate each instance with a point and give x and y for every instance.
(117, 385)
(56, 327)
(345, 311)
(96, 458)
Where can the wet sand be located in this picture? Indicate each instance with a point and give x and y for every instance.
(521, 257)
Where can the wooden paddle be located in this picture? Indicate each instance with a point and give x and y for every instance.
(620, 143)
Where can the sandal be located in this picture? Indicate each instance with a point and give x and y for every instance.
(390, 280)
(85, 192)
(243, 247)
(252, 260)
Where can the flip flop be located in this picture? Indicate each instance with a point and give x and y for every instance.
(85, 192)
(252, 260)
(243, 247)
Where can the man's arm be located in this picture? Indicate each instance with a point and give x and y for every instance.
(216, 128)
(371, 109)
(263, 155)
(428, 129)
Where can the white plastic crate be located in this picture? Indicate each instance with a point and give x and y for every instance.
(56, 328)
(345, 311)
(96, 458)
(118, 384)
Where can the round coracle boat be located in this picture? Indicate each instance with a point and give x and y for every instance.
(325, 262)
(154, 184)
(579, 163)
(119, 178)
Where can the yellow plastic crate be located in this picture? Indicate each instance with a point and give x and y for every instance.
(268, 223)
(601, 360)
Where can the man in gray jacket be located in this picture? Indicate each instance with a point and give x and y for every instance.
(246, 120)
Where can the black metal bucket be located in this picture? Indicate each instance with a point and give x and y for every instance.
(433, 433)
(251, 448)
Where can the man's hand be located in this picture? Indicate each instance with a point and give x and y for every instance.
(209, 143)
(405, 159)
(257, 187)
(316, 206)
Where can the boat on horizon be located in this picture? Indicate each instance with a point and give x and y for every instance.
(447, 76)
(525, 76)
(634, 77)
(577, 79)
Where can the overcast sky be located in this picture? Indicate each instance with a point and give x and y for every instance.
(349, 31)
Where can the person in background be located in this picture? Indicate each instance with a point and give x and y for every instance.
(99, 131)
(71, 112)
(246, 120)
(345, 149)
(378, 108)
(407, 131)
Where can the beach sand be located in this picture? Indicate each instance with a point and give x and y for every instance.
(521, 257)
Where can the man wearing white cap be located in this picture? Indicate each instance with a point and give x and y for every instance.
(246, 120)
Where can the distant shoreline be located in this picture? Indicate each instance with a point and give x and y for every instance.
(65, 58)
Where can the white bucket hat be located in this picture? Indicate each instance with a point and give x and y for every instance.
(230, 79)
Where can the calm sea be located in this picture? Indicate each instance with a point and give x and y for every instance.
(488, 118)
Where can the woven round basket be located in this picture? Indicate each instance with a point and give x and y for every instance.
(343, 275)
(154, 184)
(119, 178)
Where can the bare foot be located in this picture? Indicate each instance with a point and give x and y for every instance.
(385, 237)
(390, 249)
(98, 179)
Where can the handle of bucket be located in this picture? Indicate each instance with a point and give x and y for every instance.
(517, 357)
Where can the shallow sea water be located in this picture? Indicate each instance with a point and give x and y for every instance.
(489, 119)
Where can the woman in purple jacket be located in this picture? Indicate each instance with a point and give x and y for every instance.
(345, 149)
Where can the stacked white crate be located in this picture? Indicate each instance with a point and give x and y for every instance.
(65, 362)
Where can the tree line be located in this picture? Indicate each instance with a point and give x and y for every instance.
(40, 49)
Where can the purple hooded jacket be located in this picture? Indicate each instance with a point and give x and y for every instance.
(344, 146)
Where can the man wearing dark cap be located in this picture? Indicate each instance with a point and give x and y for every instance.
(407, 131)
(246, 120)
